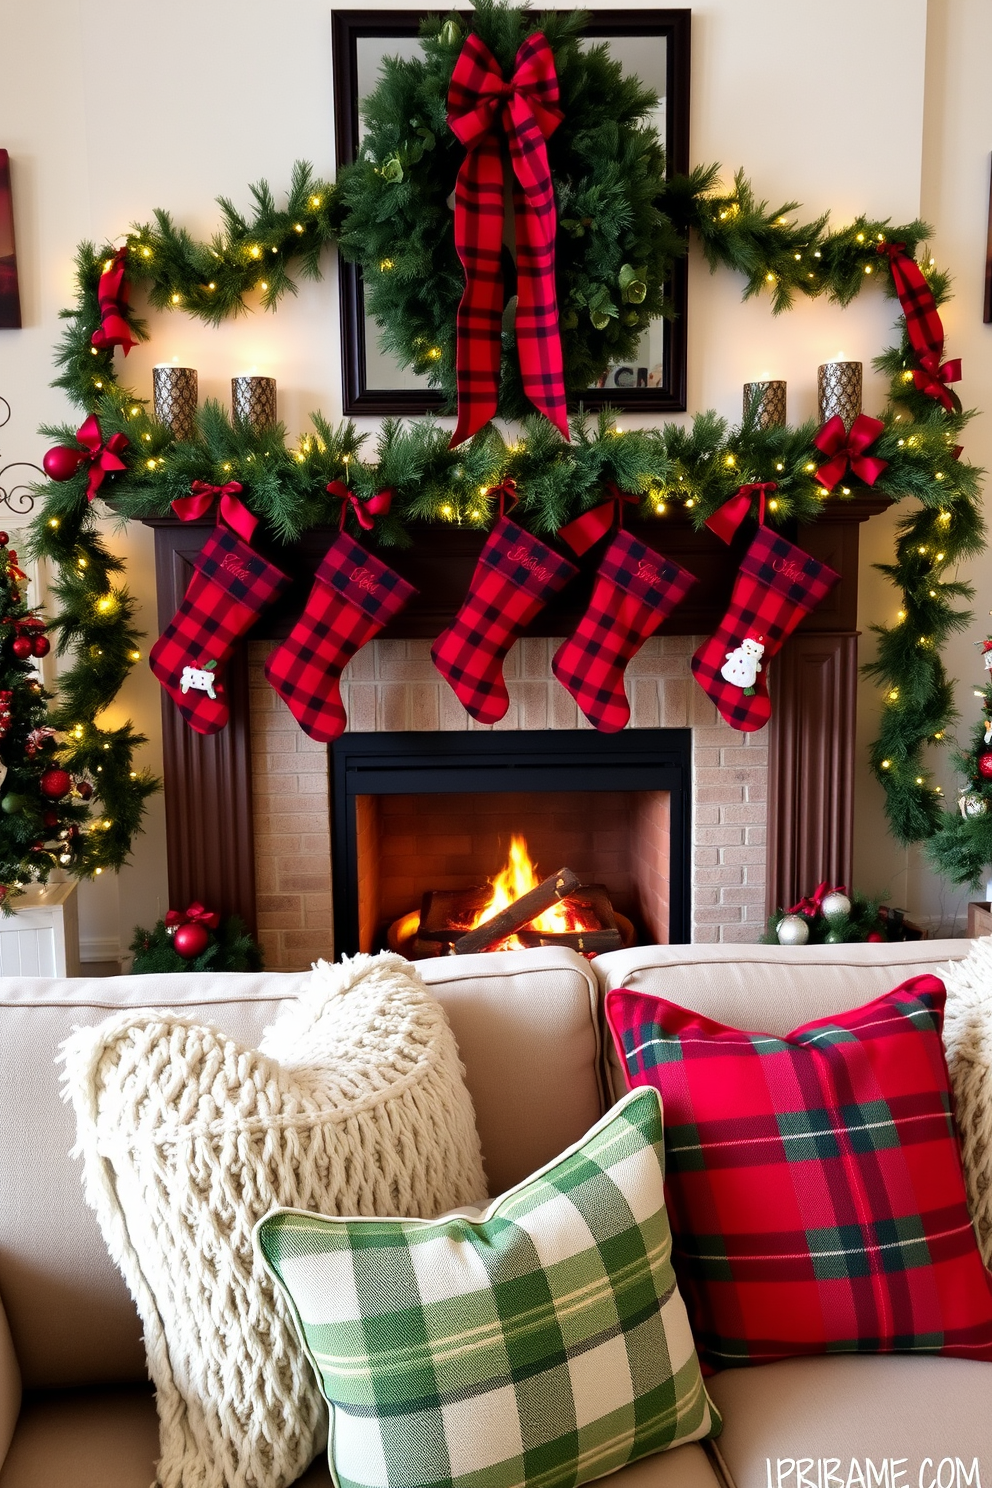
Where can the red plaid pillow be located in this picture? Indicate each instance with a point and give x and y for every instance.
(814, 1182)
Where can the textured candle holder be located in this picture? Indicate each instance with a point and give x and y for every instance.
(253, 400)
(175, 394)
(838, 390)
(765, 403)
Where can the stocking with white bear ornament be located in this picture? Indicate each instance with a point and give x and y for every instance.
(776, 585)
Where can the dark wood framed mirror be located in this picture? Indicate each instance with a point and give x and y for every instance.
(654, 45)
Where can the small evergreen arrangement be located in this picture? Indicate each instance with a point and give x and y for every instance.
(229, 948)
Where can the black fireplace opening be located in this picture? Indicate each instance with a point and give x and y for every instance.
(411, 812)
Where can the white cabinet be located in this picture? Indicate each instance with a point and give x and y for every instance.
(41, 937)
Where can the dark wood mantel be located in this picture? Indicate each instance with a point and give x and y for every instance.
(813, 684)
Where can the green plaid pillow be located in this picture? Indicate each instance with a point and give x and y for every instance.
(541, 1341)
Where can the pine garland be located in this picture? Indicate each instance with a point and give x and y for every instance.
(961, 847)
(696, 467)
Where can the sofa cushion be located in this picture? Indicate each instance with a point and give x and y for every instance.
(70, 1315)
(856, 1422)
(354, 1103)
(772, 988)
(542, 1341)
(108, 1438)
(814, 1181)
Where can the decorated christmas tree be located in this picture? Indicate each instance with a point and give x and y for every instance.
(43, 811)
(961, 848)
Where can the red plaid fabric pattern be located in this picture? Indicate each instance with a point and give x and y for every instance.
(481, 105)
(230, 587)
(636, 589)
(353, 597)
(813, 1182)
(924, 326)
(514, 578)
(776, 586)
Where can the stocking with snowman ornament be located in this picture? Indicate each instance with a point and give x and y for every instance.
(776, 585)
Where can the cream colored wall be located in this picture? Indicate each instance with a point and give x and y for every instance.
(216, 95)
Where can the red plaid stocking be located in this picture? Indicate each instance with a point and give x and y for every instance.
(777, 585)
(353, 596)
(514, 578)
(231, 585)
(636, 590)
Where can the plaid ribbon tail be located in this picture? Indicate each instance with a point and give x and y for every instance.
(479, 323)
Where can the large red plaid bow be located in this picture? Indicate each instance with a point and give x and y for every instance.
(596, 523)
(849, 449)
(197, 913)
(231, 510)
(727, 518)
(932, 377)
(102, 457)
(376, 506)
(113, 329)
(480, 105)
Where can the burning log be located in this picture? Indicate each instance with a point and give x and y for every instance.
(558, 886)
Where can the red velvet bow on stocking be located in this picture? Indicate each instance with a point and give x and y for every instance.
(231, 510)
(112, 295)
(727, 518)
(596, 523)
(376, 506)
(196, 914)
(102, 457)
(483, 108)
(846, 450)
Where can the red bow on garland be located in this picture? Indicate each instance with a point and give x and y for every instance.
(195, 914)
(846, 449)
(813, 903)
(931, 377)
(506, 491)
(112, 294)
(102, 457)
(231, 510)
(376, 506)
(924, 326)
(595, 523)
(727, 518)
(481, 108)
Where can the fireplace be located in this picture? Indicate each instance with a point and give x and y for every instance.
(435, 810)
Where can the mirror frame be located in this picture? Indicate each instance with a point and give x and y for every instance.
(348, 27)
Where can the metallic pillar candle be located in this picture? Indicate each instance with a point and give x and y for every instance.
(175, 391)
(838, 390)
(254, 401)
(765, 403)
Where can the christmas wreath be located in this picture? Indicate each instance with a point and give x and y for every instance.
(614, 247)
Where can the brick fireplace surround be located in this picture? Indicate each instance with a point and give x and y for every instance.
(248, 809)
(392, 685)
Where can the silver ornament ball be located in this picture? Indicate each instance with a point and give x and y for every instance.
(836, 905)
(792, 930)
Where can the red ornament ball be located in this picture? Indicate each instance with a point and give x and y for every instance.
(4, 539)
(85, 790)
(191, 940)
(985, 765)
(40, 646)
(874, 937)
(55, 784)
(62, 462)
(22, 647)
(50, 819)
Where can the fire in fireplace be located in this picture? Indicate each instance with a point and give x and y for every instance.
(419, 812)
(514, 910)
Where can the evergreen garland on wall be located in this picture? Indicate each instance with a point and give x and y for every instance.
(697, 467)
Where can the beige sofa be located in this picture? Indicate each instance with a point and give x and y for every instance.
(75, 1408)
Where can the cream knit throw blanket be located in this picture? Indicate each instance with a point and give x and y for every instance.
(968, 1041)
(354, 1104)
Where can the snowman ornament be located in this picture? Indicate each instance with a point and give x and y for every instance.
(200, 679)
(742, 665)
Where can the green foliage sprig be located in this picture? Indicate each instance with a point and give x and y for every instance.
(391, 205)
